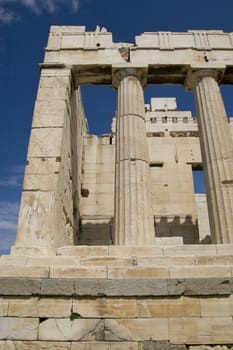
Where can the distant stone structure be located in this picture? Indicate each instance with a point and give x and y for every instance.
(114, 249)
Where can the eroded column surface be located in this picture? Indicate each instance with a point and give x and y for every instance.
(217, 154)
(133, 211)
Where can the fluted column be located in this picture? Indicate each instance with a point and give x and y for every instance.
(134, 223)
(217, 153)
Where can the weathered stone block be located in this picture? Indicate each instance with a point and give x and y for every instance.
(136, 251)
(136, 329)
(200, 286)
(49, 114)
(201, 330)
(33, 250)
(40, 146)
(77, 272)
(18, 328)
(89, 287)
(23, 271)
(106, 261)
(105, 308)
(53, 260)
(83, 250)
(136, 287)
(90, 346)
(34, 345)
(34, 182)
(200, 271)
(13, 260)
(169, 307)
(160, 345)
(3, 307)
(42, 166)
(217, 307)
(57, 287)
(19, 286)
(40, 307)
(138, 272)
(124, 346)
(190, 250)
(105, 346)
(66, 329)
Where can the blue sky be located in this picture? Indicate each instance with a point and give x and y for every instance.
(24, 28)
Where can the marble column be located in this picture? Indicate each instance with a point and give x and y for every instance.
(134, 224)
(217, 152)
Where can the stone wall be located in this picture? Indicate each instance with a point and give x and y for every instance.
(51, 189)
(114, 297)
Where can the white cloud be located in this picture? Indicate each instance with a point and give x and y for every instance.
(8, 224)
(8, 214)
(8, 14)
(14, 176)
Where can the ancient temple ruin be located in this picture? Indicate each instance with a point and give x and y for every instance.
(114, 249)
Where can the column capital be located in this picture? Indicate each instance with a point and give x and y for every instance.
(121, 71)
(197, 73)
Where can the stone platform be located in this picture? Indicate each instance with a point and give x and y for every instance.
(114, 297)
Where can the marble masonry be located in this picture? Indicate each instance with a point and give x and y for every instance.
(114, 249)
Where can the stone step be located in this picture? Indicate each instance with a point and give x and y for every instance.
(115, 271)
(116, 261)
(128, 251)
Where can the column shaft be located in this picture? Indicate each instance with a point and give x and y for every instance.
(217, 154)
(133, 212)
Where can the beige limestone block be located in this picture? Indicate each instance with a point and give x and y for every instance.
(49, 114)
(32, 251)
(211, 347)
(19, 328)
(214, 260)
(135, 251)
(38, 223)
(224, 249)
(40, 307)
(107, 308)
(3, 307)
(83, 250)
(217, 307)
(23, 271)
(13, 260)
(34, 182)
(138, 272)
(106, 261)
(200, 271)
(169, 307)
(77, 272)
(191, 249)
(165, 260)
(65, 329)
(194, 330)
(40, 146)
(55, 72)
(124, 346)
(53, 260)
(136, 329)
(34, 345)
(56, 82)
(42, 166)
(48, 93)
(90, 346)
